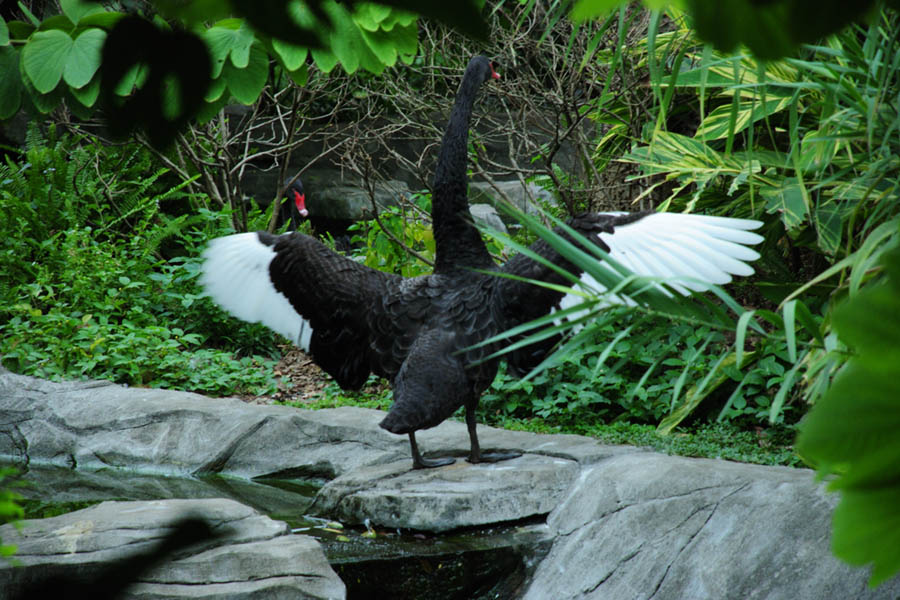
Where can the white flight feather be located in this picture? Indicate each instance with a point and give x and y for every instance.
(692, 252)
(235, 274)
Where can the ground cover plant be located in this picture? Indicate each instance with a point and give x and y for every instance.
(88, 289)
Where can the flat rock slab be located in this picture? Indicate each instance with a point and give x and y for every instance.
(254, 556)
(451, 497)
(97, 424)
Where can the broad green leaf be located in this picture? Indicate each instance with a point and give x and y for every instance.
(4, 33)
(220, 40)
(382, 45)
(76, 9)
(240, 50)
(84, 58)
(398, 18)
(593, 9)
(292, 57)
(854, 423)
(369, 16)
(106, 19)
(60, 22)
(88, 94)
(829, 227)
(300, 76)
(346, 41)
(403, 38)
(246, 84)
(20, 30)
(10, 82)
(854, 429)
(216, 89)
(76, 106)
(787, 201)
(209, 110)
(42, 103)
(44, 58)
(132, 79)
(716, 124)
(867, 531)
(324, 59)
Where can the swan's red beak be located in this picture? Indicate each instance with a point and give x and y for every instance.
(494, 73)
(300, 203)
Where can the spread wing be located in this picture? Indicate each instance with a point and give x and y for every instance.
(691, 252)
(298, 287)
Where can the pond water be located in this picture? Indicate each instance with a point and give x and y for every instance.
(373, 562)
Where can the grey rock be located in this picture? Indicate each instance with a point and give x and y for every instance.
(622, 522)
(255, 557)
(331, 193)
(460, 495)
(486, 215)
(525, 198)
(652, 526)
(84, 424)
(350, 202)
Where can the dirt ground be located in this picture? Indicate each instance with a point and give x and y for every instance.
(305, 380)
(305, 377)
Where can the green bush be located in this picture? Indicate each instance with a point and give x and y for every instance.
(11, 510)
(87, 289)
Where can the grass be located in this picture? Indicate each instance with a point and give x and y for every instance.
(772, 446)
(709, 440)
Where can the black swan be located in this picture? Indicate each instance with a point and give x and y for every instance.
(420, 332)
(293, 207)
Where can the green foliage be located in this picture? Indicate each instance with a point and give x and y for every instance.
(376, 393)
(59, 60)
(771, 30)
(385, 243)
(632, 377)
(86, 290)
(727, 441)
(810, 140)
(11, 502)
(809, 144)
(854, 431)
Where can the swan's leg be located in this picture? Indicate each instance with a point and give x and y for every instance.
(475, 454)
(425, 463)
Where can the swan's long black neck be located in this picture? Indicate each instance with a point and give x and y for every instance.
(458, 242)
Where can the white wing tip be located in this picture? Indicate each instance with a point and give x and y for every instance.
(235, 274)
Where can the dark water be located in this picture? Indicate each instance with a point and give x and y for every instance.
(373, 562)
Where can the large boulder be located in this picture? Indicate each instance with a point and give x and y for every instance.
(251, 555)
(652, 526)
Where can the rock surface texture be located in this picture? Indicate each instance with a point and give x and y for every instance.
(252, 555)
(621, 522)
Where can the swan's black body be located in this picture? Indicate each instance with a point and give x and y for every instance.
(417, 332)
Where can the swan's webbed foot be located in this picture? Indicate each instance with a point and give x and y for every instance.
(492, 457)
(475, 453)
(425, 463)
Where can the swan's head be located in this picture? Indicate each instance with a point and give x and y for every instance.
(483, 66)
(295, 193)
